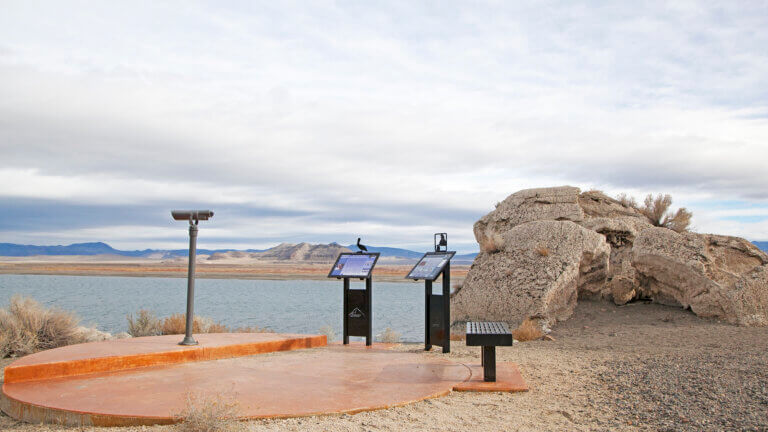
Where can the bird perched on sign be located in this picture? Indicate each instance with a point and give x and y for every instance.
(361, 246)
(443, 241)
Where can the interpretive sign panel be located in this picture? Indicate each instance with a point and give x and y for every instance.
(430, 265)
(354, 265)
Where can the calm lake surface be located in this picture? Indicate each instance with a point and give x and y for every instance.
(301, 306)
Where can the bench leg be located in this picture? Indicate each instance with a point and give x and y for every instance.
(489, 363)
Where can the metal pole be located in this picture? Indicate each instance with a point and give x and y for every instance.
(345, 331)
(427, 317)
(188, 339)
(369, 306)
(447, 307)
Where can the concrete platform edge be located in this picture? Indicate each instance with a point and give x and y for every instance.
(43, 371)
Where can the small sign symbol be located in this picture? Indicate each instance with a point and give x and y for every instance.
(356, 313)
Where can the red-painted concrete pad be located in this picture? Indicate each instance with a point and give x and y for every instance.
(122, 354)
(508, 379)
(331, 379)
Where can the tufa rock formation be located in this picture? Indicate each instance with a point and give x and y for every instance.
(542, 249)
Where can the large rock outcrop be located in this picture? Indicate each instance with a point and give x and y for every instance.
(716, 276)
(542, 249)
(536, 272)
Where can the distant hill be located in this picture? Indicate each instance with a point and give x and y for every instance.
(99, 248)
(405, 253)
(289, 252)
(763, 245)
(283, 251)
(390, 252)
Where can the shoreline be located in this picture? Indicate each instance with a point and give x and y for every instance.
(266, 271)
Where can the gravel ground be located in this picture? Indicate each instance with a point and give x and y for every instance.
(637, 367)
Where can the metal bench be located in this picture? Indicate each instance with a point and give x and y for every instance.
(488, 335)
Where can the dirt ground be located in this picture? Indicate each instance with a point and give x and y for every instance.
(637, 367)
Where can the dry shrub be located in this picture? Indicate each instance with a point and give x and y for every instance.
(627, 201)
(26, 327)
(328, 332)
(542, 251)
(389, 336)
(145, 324)
(202, 413)
(254, 329)
(490, 245)
(456, 288)
(219, 328)
(657, 211)
(680, 221)
(177, 324)
(529, 330)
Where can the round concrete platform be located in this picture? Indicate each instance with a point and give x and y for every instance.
(333, 379)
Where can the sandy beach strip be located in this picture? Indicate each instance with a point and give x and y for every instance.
(178, 268)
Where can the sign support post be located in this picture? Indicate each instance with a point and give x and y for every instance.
(437, 307)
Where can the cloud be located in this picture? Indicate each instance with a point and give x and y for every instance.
(350, 117)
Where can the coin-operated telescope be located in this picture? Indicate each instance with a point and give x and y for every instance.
(193, 216)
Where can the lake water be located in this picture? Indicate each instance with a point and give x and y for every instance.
(301, 306)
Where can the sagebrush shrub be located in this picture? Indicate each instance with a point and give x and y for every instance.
(145, 324)
(27, 327)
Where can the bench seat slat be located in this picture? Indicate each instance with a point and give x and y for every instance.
(488, 334)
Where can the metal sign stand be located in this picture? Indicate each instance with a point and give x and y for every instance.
(358, 316)
(437, 308)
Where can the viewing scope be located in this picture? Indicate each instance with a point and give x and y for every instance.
(192, 215)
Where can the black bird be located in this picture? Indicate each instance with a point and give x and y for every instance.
(361, 246)
(443, 240)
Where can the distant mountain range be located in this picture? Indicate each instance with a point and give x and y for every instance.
(99, 248)
(299, 251)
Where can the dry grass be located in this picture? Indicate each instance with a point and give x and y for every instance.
(328, 332)
(389, 336)
(529, 330)
(145, 324)
(27, 327)
(542, 251)
(202, 413)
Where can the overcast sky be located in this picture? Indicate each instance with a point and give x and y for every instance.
(321, 121)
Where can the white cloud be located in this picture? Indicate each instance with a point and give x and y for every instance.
(327, 109)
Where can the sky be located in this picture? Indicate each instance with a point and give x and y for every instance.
(323, 121)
